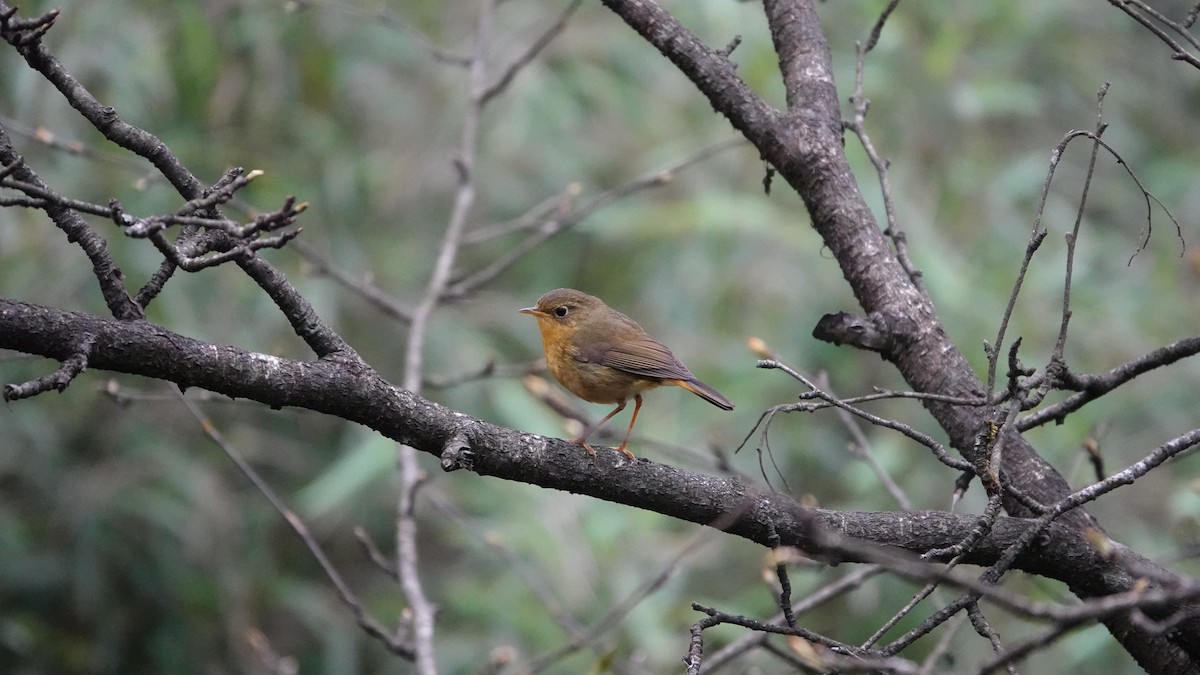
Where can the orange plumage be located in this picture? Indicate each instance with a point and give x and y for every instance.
(603, 356)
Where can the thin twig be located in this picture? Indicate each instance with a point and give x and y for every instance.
(383, 17)
(368, 622)
(822, 595)
(410, 472)
(1177, 50)
(860, 447)
(560, 222)
(938, 449)
(365, 288)
(530, 53)
(858, 125)
(1091, 387)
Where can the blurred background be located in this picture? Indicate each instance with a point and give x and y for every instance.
(131, 544)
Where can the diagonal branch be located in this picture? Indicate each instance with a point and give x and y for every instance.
(78, 231)
(805, 146)
(322, 339)
(1092, 386)
(354, 392)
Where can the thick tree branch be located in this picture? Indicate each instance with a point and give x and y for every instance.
(351, 390)
(805, 146)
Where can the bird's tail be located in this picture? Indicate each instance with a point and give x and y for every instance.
(705, 392)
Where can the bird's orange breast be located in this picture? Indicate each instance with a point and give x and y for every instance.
(592, 382)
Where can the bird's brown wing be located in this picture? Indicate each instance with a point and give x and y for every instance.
(643, 356)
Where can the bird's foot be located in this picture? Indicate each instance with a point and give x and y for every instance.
(579, 441)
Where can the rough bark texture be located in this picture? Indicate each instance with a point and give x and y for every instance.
(354, 392)
(805, 145)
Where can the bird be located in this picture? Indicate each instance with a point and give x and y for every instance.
(603, 356)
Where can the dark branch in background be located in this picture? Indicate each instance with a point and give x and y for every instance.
(189, 255)
(984, 629)
(1158, 24)
(26, 36)
(815, 652)
(198, 252)
(68, 370)
(824, 594)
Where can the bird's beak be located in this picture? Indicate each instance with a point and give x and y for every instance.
(532, 310)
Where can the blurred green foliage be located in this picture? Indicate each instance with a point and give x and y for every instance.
(132, 545)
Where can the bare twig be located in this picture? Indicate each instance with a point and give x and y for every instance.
(1038, 233)
(559, 204)
(822, 595)
(388, 19)
(479, 94)
(364, 287)
(487, 370)
(78, 231)
(368, 622)
(1091, 387)
(50, 139)
(1147, 16)
(858, 125)
(59, 380)
(529, 54)
(616, 613)
(557, 222)
(984, 629)
(411, 475)
(815, 392)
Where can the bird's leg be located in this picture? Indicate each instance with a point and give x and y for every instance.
(637, 405)
(582, 440)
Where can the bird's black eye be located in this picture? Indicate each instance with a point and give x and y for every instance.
(561, 311)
